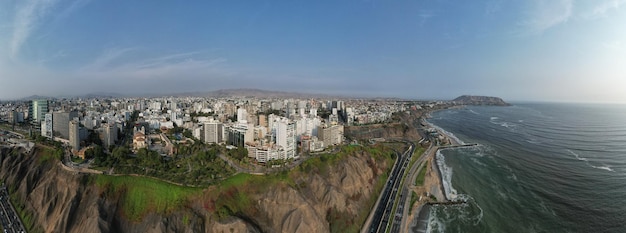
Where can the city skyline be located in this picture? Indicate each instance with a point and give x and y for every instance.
(563, 50)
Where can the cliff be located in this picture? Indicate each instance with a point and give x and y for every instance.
(324, 194)
(58, 200)
(480, 100)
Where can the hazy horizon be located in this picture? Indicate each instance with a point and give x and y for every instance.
(539, 50)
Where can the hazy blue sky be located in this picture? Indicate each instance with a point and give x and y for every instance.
(554, 50)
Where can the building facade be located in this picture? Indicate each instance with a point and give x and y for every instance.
(74, 136)
(37, 111)
(46, 126)
(60, 122)
(213, 132)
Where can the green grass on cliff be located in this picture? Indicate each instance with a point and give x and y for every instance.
(232, 196)
(47, 154)
(142, 195)
(419, 180)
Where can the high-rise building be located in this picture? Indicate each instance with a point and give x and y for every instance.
(110, 134)
(331, 135)
(212, 132)
(285, 135)
(46, 126)
(242, 115)
(239, 134)
(263, 120)
(307, 126)
(60, 122)
(74, 134)
(37, 111)
(173, 105)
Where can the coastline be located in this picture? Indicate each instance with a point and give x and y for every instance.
(433, 183)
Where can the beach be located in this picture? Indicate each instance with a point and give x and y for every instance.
(432, 189)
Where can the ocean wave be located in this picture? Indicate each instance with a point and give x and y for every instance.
(478, 162)
(435, 223)
(603, 167)
(607, 168)
(533, 141)
(494, 118)
(577, 156)
(446, 177)
(450, 135)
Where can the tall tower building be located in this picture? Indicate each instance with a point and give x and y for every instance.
(46, 126)
(242, 115)
(263, 120)
(60, 122)
(74, 134)
(110, 134)
(213, 132)
(37, 111)
(286, 137)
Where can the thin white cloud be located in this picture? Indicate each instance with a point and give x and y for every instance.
(492, 7)
(30, 14)
(169, 65)
(615, 45)
(545, 14)
(425, 16)
(26, 20)
(601, 10)
(101, 62)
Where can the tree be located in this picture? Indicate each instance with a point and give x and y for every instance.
(187, 133)
(93, 138)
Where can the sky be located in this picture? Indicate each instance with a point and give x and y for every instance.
(520, 50)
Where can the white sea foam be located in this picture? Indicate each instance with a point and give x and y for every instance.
(446, 179)
(577, 156)
(434, 222)
(494, 118)
(480, 216)
(533, 141)
(472, 111)
(450, 135)
(603, 168)
(478, 162)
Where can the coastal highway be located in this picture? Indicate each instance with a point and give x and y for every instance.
(383, 211)
(8, 216)
(401, 213)
(402, 224)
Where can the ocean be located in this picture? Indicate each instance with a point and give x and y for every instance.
(537, 168)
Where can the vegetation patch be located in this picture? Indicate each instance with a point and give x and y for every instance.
(142, 195)
(419, 180)
(201, 168)
(232, 196)
(47, 154)
(416, 154)
(25, 216)
(413, 200)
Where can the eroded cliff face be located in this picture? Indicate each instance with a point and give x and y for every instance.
(58, 200)
(64, 201)
(323, 200)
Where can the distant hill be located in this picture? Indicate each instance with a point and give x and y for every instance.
(480, 100)
(251, 92)
(36, 97)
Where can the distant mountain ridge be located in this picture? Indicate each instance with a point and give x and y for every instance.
(221, 93)
(480, 100)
